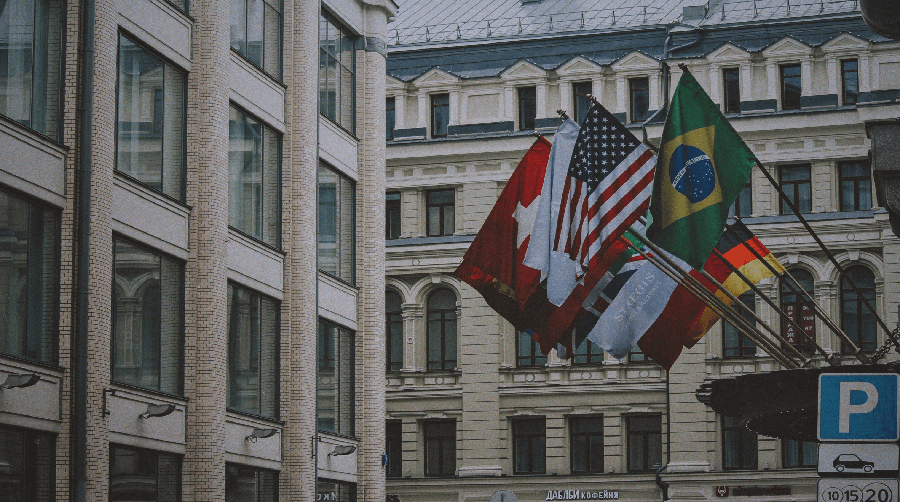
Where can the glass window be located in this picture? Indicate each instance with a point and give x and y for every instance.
(440, 448)
(636, 356)
(790, 87)
(731, 85)
(148, 320)
(150, 141)
(581, 102)
(31, 56)
(392, 214)
(29, 279)
(336, 379)
(390, 117)
(143, 475)
(849, 81)
(337, 225)
(440, 115)
(734, 343)
(527, 107)
(644, 443)
(586, 441)
(256, 33)
(529, 445)
(743, 205)
(335, 490)
(797, 454)
(253, 352)
(856, 185)
(528, 352)
(337, 73)
(856, 319)
(441, 330)
(393, 432)
(441, 212)
(639, 92)
(799, 309)
(27, 465)
(394, 318)
(796, 185)
(254, 178)
(588, 354)
(739, 446)
(247, 483)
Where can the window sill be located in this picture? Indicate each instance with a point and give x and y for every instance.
(135, 181)
(257, 417)
(42, 365)
(339, 280)
(34, 132)
(150, 391)
(258, 241)
(274, 79)
(339, 126)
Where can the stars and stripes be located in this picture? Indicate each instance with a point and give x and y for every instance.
(607, 187)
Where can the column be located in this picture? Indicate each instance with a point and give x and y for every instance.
(771, 81)
(596, 88)
(206, 312)
(541, 101)
(865, 77)
(834, 75)
(715, 85)
(412, 313)
(454, 107)
(400, 111)
(826, 296)
(806, 77)
(423, 109)
(654, 91)
(509, 104)
(746, 84)
(565, 97)
(463, 107)
(621, 101)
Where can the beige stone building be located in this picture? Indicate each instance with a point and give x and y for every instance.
(172, 325)
(472, 406)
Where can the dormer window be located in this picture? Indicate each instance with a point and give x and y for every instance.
(639, 102)
(440, 114)
(527, 107)
(790, 87)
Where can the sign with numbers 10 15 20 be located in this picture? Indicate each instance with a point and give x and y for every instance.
(858, 490)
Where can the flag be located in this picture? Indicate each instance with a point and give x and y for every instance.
(704, 164)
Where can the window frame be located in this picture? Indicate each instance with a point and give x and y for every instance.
(745, 347)
(28, 483)
(796, 187)
(444, 364)
(792, 103)
(798, 305)
(576, 439)
(870, 293)
(277, 76)
(746, 194)
(391, 318)
(393, 207)
(801, 447)
(143, 451)
(531, 438)
(532, 360)
(257, 471)
(526, 99)
(846, 99)
(339, 187)
(744, 445)
(858, 181)
(430, 432)
(393, 448)
(390, 116)
(633, 91)
(578, 114)
(644, 437)
(338, 429)
(731, 90)
(347, 124)
(433, 109)
(441, 212)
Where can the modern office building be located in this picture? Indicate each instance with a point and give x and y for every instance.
(472, 406)
(172, 326)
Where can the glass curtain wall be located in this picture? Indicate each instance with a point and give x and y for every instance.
(253, 352)
(247, 483)
(336, 379)
(254, 179)
(337, 73)
(337, 225)
(143, 475)
(256, 33)
(27, 465)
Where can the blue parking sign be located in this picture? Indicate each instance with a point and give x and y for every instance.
(858, 407)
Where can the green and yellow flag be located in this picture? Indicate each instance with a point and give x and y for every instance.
(703, 165)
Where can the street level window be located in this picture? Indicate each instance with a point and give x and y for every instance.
(588, 354)
(143, 475)
(796, 184)
(440, 115)
(799, 308)
(586, 441)
(254, 178)
(528, 351)
(644, 442)
(798, 454)
(856, 319)
(731, 87)
(527, 107)
(337, 73)
(440, 448)
(849, 81)
(148, 318)
(790, 87)
(337, 225)
(392, 215)
(151, 125)
(335, 490)
(247, 483)
(390, 116)
(639, 98)
(394, 329)
(529, 445)
(394, 447)
(256, 33)
(253, 352)
(734, 343)
(31, 59)
(441, 330)
(441, 212)
(29, 279)
(743, 205)
(739, 446)
(27, 465)
(581, 102)
(856, 185)
(336, 379)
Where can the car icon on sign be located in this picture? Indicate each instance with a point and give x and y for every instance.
(852, 462)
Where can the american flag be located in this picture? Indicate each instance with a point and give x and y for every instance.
(607, 187)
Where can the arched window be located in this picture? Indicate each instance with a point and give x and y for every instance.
(442, 330)
(799, 308)
(856, 319)
(394, 331)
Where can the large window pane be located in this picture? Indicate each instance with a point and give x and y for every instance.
(440, 115)
(337, 73)
(856, 185)
(392, 215)
(247, 483)
(336, 379)
(27, 465)
(29, 284)
(731, 87)
(256, 33)
(795, 182)
(337, 225)
(849, 81)
(253, 358)
(440, 448)
(143, 475)
(586, 442)
(644, 443)
(441, 330)
(394, 447)
(151, 120)
(797, 454)
(790, 87)
(441, 212)
(529, 445)
(739, 446)
(31, 63)
(148, 321)
(335, 490)
(254, 178)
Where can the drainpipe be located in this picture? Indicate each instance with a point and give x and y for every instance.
(663, 486)
(78, 487)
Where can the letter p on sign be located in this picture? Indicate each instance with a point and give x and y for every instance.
(858, 407)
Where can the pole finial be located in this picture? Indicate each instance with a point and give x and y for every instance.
(562, 113)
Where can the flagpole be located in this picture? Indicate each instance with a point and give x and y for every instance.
(843, 274)
(794, 285)
(704, 295)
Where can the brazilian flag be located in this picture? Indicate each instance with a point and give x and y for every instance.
(702, 166)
